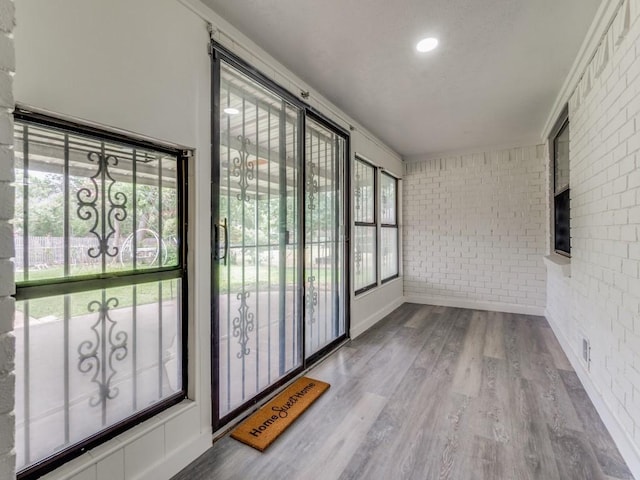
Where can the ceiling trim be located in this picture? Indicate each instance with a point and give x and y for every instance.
(530, 142)
(605, 15)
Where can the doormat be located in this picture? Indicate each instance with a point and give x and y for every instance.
(263, 427)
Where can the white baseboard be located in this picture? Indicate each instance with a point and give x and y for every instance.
(370, 321)
(474, 304)
(175, 461)
(625, 444)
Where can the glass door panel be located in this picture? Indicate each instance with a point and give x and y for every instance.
(324, 242)
(257, 267)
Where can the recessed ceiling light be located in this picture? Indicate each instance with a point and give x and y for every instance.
(231, 111)
(427, 44)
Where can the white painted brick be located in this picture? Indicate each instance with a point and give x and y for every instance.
(629, 233)
(7, 15)
(634, 179)
(7, 53)
(479, 231)
(7, 305)
(602, 298)
(6, 164)
(7, 393)
(6, 201)
(6, 278)
(620, 184)
(6, 127)
(8, 465)
(7, 354)
(6, 90)
(7, 286)
(7, 426)
(633, 143)
(6, 240)
(627, 164)
(628, 199)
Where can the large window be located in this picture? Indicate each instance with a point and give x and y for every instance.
(364, 208)
(561, 198)
(374, 188)
(389, 226)
(100, 279)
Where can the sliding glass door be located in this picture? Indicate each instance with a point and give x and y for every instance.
(278, 213)
(324, 242)
(257, 225)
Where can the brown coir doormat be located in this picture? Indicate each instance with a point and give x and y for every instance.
(263, 427)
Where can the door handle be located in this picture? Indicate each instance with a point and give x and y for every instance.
(225, 248)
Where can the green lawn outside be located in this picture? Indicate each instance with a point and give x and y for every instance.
(231, 281)
(54, 306)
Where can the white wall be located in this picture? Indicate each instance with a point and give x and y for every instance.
(598, 296)
(143, 66)
(7, 287)
(371, 306)
(475, 230)
(124, 64)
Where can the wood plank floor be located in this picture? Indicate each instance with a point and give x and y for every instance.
(437, 393)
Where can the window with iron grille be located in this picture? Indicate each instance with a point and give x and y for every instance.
(100, 286)
(364, 208)
(561, 192)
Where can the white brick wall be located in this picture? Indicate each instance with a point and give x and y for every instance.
(559, 304)
(601, 300)
(475, 229)
(7, 342)
(605, 228)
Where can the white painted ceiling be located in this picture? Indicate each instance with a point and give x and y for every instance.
(491, 82)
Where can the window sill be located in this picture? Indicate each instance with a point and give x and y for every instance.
(558, 264)
(375, 288)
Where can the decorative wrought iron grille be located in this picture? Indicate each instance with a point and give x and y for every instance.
(243, 324)
(98, 354)
(311, 186)
(99, 284)
(243, 168)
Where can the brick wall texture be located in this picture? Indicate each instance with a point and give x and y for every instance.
(601, 300)
(7, 342)
(475, 228)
